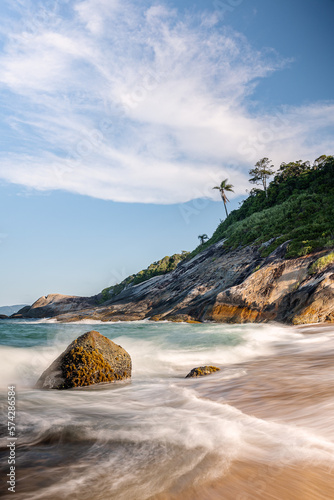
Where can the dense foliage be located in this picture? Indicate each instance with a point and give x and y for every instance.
(299, 207)
(162, 266)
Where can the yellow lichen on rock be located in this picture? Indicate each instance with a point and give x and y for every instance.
(200, 371)
(235, 314)
(86, 367)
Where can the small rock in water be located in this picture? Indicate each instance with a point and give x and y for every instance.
(90, 359)
(200, 371)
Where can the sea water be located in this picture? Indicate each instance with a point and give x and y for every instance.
(161, 435)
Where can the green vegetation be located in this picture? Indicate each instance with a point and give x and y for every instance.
(298, 206)
(322, 263)
(162, 266)
(202, 238)
(261, 173)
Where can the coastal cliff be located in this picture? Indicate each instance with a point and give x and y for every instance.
(217, 284)
(270, 260)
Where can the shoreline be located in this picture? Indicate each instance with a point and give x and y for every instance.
(53, 320)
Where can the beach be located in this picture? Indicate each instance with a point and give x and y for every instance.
(260, 428)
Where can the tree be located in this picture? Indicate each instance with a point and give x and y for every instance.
(224, 186)
(261, 173)
(202, 238)
(292, 169)
(319, 162)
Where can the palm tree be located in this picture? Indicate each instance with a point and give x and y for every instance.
(224, 186)
(203, 237)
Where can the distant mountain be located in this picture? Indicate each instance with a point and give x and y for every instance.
(8, 310)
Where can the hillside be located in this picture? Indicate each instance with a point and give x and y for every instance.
(272, 259)
(162, 266)
(299, 208)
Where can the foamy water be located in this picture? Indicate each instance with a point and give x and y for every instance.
(161, 434)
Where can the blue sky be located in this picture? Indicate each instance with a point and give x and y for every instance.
(118, 118)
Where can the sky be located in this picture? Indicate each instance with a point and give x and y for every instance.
(118, 118)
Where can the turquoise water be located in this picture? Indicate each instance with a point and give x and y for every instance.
(33, 333)
(158, 432)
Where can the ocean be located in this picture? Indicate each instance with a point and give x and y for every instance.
(260, 428)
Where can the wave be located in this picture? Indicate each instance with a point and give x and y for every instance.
(31, 321)
(157, 350)
(135, 441)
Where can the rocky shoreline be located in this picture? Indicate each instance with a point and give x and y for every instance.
(218, 284)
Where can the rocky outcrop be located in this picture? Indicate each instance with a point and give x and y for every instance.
(90, 359)
(312, 301)
(3, 316)
(223, 285)
(55, 304)
(182, 295)
(201, 371)
(280, 290)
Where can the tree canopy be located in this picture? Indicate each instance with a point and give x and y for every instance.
(298, 207)
(261, 173)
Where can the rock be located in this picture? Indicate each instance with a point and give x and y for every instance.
(181, 295)
(90, 359)
(202, 370)
(54, 304)
(218, 284)
(21, 312)
(3, 316)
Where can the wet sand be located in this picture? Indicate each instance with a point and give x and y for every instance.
(297, 388)
(252, 481)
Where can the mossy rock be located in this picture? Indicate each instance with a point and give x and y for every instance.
(90, 359)
(200, 371)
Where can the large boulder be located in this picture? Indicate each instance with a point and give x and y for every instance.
(90, 359)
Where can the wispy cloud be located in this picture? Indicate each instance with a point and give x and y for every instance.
(138, 104)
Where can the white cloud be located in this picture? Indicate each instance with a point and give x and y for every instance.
(136, 104)
(95, 13)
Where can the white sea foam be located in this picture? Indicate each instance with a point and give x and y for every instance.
(162, 358)
(153, 354)
(132, 434)
(159, 350)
